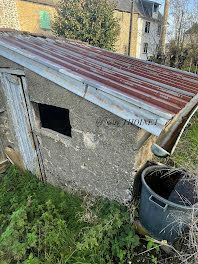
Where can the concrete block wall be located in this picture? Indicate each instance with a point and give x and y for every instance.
(101, 156)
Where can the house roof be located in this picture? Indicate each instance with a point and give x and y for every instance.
(142, 7)
(193, 29)
(130, 88)
(44, 2)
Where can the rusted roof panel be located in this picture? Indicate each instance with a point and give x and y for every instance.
(157, 91)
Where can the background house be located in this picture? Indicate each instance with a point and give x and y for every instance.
(146, 27)
(27, 15)
(34, 16)
(191, 35)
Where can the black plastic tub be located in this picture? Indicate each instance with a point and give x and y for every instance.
(162, 214)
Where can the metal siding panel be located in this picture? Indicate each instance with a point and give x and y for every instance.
(2, 155)
(32, 125)
(131, 113)
(118, 67)
(145, 88)
(17, 107)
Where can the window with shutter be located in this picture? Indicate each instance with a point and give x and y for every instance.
(45, 19)
(145, 47)
(147, 27)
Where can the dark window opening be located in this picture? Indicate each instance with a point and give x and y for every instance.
(145, 47)
(55, 118)
(155, 8)
(147, 27)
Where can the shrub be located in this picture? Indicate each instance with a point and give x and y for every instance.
(90, 21)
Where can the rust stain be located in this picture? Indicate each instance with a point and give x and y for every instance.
(119, 108)
(151, 84)
(100, 99)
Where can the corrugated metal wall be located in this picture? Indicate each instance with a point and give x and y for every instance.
(2, 155)
(18, 111)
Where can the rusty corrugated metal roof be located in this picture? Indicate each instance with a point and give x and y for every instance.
(140, 89)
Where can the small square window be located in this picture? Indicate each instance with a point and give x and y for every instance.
(55, 118)
(145, 47)
(147, 27)
(45, 19)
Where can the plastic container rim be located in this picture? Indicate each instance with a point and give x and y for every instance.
(158, 196)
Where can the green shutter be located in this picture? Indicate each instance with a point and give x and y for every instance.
(45, 19)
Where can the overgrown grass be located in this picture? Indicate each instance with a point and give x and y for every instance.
(37, 222)
(42, 224)
(186, 156)
(186, 153)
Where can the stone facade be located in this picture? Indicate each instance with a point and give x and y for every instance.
(25, 16)
(138, 37)
(123, 39)
(8, 14)
(29, 16)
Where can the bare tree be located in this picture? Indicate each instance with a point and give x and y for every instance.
(184, 17)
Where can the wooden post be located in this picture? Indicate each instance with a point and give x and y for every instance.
(165, 20)
(130, 26)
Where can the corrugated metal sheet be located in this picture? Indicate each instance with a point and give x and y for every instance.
(2, 155)
(133, 89)
(17, 108)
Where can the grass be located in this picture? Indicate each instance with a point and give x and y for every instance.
(186, 153)
(186, 156)
(42, 224)
(37, 221)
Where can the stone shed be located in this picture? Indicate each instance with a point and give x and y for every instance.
(84, 118)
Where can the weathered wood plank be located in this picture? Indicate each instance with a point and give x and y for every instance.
(3, 165)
